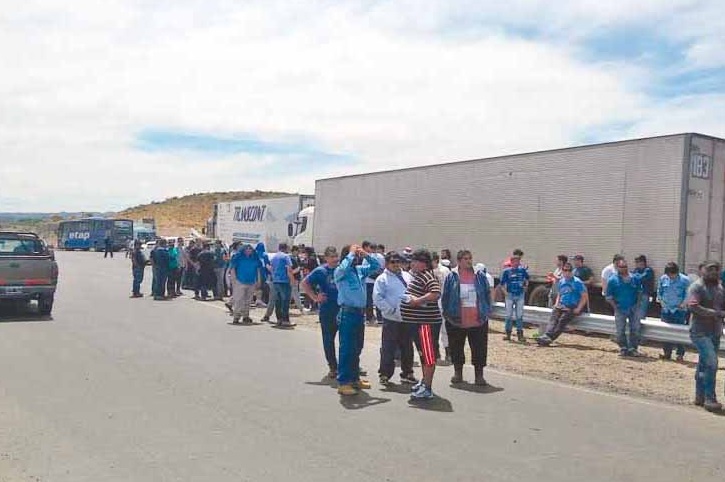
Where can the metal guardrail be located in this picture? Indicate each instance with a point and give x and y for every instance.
(653, 329)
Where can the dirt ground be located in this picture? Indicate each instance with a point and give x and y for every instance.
(589, 361)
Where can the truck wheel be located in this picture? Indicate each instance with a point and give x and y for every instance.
(539, 296)
(45, 305)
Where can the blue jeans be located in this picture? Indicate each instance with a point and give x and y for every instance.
(514, 310)
(137, 280)
(328, 325)
(635, 328)
(283, 295)
(351, 325)
(676, 318)
(706, 373)
(158, 287)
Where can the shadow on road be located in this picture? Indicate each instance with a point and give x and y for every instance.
(361, 400)
(393, 388)
(437, 404)
(469, 387)
(325, 382)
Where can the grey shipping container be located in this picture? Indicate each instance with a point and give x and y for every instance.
(662, 196)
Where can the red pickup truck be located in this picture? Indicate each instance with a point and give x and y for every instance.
(28, 270)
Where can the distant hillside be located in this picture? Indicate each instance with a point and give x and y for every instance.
(177, 215)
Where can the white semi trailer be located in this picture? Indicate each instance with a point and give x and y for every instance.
(269, 220)
(662, 196)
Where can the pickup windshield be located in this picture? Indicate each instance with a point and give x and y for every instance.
(20, 245)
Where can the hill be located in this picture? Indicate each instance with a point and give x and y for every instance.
(177, 215)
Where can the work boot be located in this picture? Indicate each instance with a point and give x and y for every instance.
(520, 336)
(712, 405)
(699, 399)
(507, 336)
(346, 390)
(479, 380)
(362, 384)
(457, 374)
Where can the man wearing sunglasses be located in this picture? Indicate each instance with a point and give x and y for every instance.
(623, 291)
(570, 302)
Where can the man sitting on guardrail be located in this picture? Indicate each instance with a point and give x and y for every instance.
(570, 302)
(623, 292)
(706, 301)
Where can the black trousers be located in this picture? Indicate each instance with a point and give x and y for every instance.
(477, 342)
(396, 336)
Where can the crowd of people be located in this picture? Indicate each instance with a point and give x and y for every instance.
(431, 302)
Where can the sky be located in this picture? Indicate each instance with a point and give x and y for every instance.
(109, 104)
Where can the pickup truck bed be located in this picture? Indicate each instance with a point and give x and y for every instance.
(28, 270)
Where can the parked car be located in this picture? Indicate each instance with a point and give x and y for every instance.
(146, 249)
(28, 270)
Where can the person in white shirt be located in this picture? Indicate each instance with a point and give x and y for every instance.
(608, 271)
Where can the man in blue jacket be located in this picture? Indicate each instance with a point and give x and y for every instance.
(570, 302)
(623, 291)
(246, 274)
(352, 298)
(466, 303)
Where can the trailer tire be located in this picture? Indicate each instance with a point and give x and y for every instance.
(539, 296)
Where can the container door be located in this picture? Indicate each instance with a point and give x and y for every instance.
(705, 203)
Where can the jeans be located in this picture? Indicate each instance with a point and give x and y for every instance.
(395, 336)
(241, 298)
(351, 326)
(679, 317)
(296, 299)
(620, 320)
(137, 280)
(706, 372)
(282, 294)
(558, 321)
(514, 310)
(219, 291)
(160, 276)
(271, 299)
(171, 281)
(328, 326)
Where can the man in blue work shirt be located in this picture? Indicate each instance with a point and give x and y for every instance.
(514, 281)
(320, 286)
(647, 280)
(282, 277)
(246, 274)
(672, 296)
(570, 302)
(352, 298)
(623, 291)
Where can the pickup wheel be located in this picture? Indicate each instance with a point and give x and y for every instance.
(45, 305)
(539, 296)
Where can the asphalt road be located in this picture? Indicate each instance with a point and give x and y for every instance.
(136, 390)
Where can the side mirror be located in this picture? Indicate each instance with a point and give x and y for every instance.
(290, 230)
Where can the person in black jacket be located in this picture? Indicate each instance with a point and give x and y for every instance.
(138, 264)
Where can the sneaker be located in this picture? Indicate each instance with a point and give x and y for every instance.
(634, 353)
(346, 390)
(264, 319)
(507, 337)
(481, 382)
(543, 340)
(665, 357)
(235, 320)
(623, 353)
(408, 378)
(384, 381)
(417, 386)
(699, 400)
(247, 320)
(362, 385)
(423, 393)
(680, 358)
